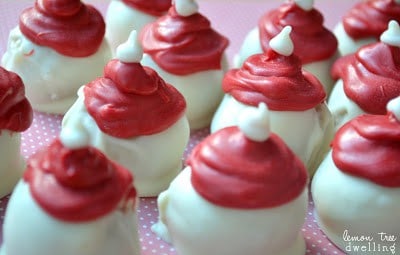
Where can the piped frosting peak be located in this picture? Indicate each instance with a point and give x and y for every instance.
(254, 123)
(282, 43)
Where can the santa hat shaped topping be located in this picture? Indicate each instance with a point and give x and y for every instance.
(368, 147)
(247, 167)
(129, 90)
(15, 110)
(77, 183)
(70, 27)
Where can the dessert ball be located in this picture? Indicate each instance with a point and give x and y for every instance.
(189, 54)
(57, 47)
(243, 192)
(123, 16)
(314, 44)
(135, 118)
(294, 96)
(364, 23)
(15, 116)
(356, 189)
(71, 200)
(367, 79)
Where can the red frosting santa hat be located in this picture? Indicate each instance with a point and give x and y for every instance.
(246, 166)
(70, 27)
(131, 99)
(15, 110)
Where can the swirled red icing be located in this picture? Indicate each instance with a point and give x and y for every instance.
(15, 110)
(152, 7)
(276, 80)
(68, 26)
(369, 147)
(183, 45)
(312, 41)
(371, 76)
(132, 100)
(77, 185)
(370, 18)
(230, 170)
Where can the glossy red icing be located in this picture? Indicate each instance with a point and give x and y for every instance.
(370, 18)
(371, 76)
(132, 100)
(152, 7)
(183, 45)
(15, 110)
(230, 170)
(369, 147)
(276, 80)
(77, 185)
(68, 26)
(312, 41)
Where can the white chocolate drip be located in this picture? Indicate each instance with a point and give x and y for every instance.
(282, 43)
(394, 107)
(306, 5)
(186, 7)
(392, 35)
(131, 51)
(254, 123)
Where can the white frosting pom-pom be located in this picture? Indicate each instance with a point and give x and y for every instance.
(186, 7)
(74, 138)
(282, 43)
(306, 5)
(394, 107)
(254, 123)
(392, 35)
(131, 51)
(397, 1)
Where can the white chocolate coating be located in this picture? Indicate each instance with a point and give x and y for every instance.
(254, 123)
(282, 43)
(201, 90)
(321, 69)
(154, 160)
(51, 79)
(342, 108)
(37, 233)
(346, 44)
(392, 34)
(394, 107)
(121, 20)
(197, 227)
(186, 7)
(12, 164)
(313, 128)
(363, 208)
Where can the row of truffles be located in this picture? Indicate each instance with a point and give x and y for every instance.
(125, 130)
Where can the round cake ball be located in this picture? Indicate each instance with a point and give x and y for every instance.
(364, 23)
(367, 79)
(189, 54)
(243, 187)
(294, 96)
(123, 16)
(314, 44)
(71, 200)
(135, 118)
(356, 189)
(15, 116)
(57, 46)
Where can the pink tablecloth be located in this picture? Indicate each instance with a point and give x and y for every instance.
(233, 20)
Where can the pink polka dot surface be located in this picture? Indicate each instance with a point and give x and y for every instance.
(46, 127)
